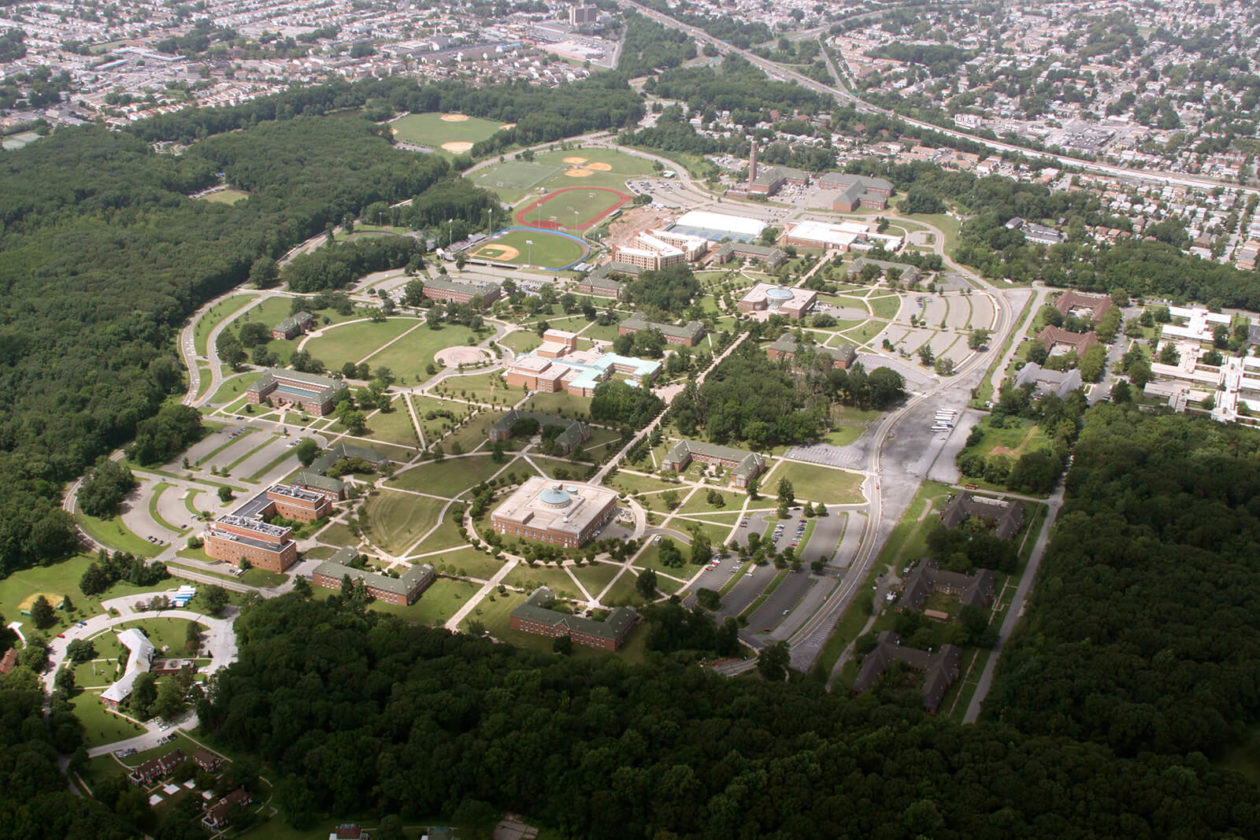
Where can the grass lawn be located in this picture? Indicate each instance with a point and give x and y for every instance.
(410, 356)
(627, 483)
(431, 130)
(864, 333)
(650, 559)
(262, 578)
(438, 603)
(573, 207)
(623, 593)
(818, 484)
(235, 386)
(215, 316)
(549, 249)
(338, 534)
(164, 633)
(844, 434)
(561, 403)
(468, 562)
(353, 341)
(449, 477)
(596, 576)
(521, 341)
(485, 387)
(600, 332)
(114, 533)
(228, 196)
(393, 521)
(394, 427)
(530, 579)
(472, 434)
(449, 534)
(1016, 437)
(496, 616)
(886, 306)
(100, 726)
(699, 502)
(512, 179)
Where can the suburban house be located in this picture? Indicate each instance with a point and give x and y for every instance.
(207, 761)
(295, 324)
(139, 658)
(156, 768)
(574, 433)
(1006, 517)
(787, 347)
(1059, 383)
(688, 335)
(534, 617)
(350, 831)
(311, 392)
(744, 465)
(975, 590)
(453, 291)
(558, 513)
(940, 669)
(216, 816)
(402, 590)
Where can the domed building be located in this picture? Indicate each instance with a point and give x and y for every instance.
(560, 513)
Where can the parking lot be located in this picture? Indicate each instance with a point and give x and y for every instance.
(781, 602)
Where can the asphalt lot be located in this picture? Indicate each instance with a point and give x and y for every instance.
(776, 607)
(746, 591)
(825, 539)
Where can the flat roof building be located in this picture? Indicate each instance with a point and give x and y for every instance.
(534, 617)
(245, 534)
(560, 513)
(454, 291)
(718, 226)
(791, 301)
(834, 236)
(579, 372)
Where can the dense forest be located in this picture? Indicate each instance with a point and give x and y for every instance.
(595, 748)
(102, 257)
(1142, 632)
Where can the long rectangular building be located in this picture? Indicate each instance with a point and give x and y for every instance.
(311, 392)
(534, 617)
(402, 590)
(245, 534)
(744, 465)
(688, 334)
(548, 511)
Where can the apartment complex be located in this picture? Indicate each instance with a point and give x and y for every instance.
(657, 249)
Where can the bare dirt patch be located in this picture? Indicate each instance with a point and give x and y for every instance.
(456, 356)
(454, 117)
(457, 147)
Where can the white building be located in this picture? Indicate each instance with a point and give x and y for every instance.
(140, 655)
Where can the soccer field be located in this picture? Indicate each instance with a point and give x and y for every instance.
(573, 208)
(549, 250)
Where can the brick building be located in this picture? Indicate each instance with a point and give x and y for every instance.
(940, 669)
(793, 302)
(787, 347)
(402, 590)
(453, 291)
(534, 617)
(856, 191)
(975, 590)
(1059, 341)
(573, 434)
(295, 324)
(216, 816)
(744, 465)
(769, 256)
(1083, 304)
(566, 514)
(688, 335)
(311, 392)
(156, 768)
(245, 534)
(1006, 517)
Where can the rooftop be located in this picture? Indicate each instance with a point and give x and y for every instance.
(535, 609)
(545, 504)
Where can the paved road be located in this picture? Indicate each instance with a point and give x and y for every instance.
(1016, 610)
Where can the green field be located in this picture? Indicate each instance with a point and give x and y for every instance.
(513, 179)
(521, 341)
(394, 521)
(886, 306)
(100, 726)
(572, 209)
(115, 534)
(480, 386)
(394, 427)
(228, 196)
(431, 130)
(447, 478)
(549, 250)
(557, 580)
(818, 484)
(410, 356)
(354, 341)
(215, 316)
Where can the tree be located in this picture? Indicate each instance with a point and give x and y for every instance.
(919, 200)
(102, 492)
(926, 356)
(264, 272)
(701, 549)
(64, 681)
(773, 662)
(710, 599)
(143, 695)
(307, 451)
(42, 613)
(81, 650)
(787, 495)
(213, 598)
(169, 703)
(646, 584)
(562, 645)
(225, 494)
(978, 339)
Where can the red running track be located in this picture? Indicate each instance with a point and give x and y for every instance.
(522, 215)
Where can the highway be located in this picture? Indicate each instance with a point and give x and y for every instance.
(780, 73)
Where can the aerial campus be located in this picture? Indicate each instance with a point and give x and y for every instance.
(864, 357)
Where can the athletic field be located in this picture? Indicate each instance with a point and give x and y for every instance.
(572, 208)
(452, 133)
(514, 180)
(550, 249)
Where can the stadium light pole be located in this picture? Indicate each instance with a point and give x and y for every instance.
(530, 243)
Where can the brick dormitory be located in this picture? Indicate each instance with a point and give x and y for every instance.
(402, 590)
(311, 392)
(245, 534)
(535, 617)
